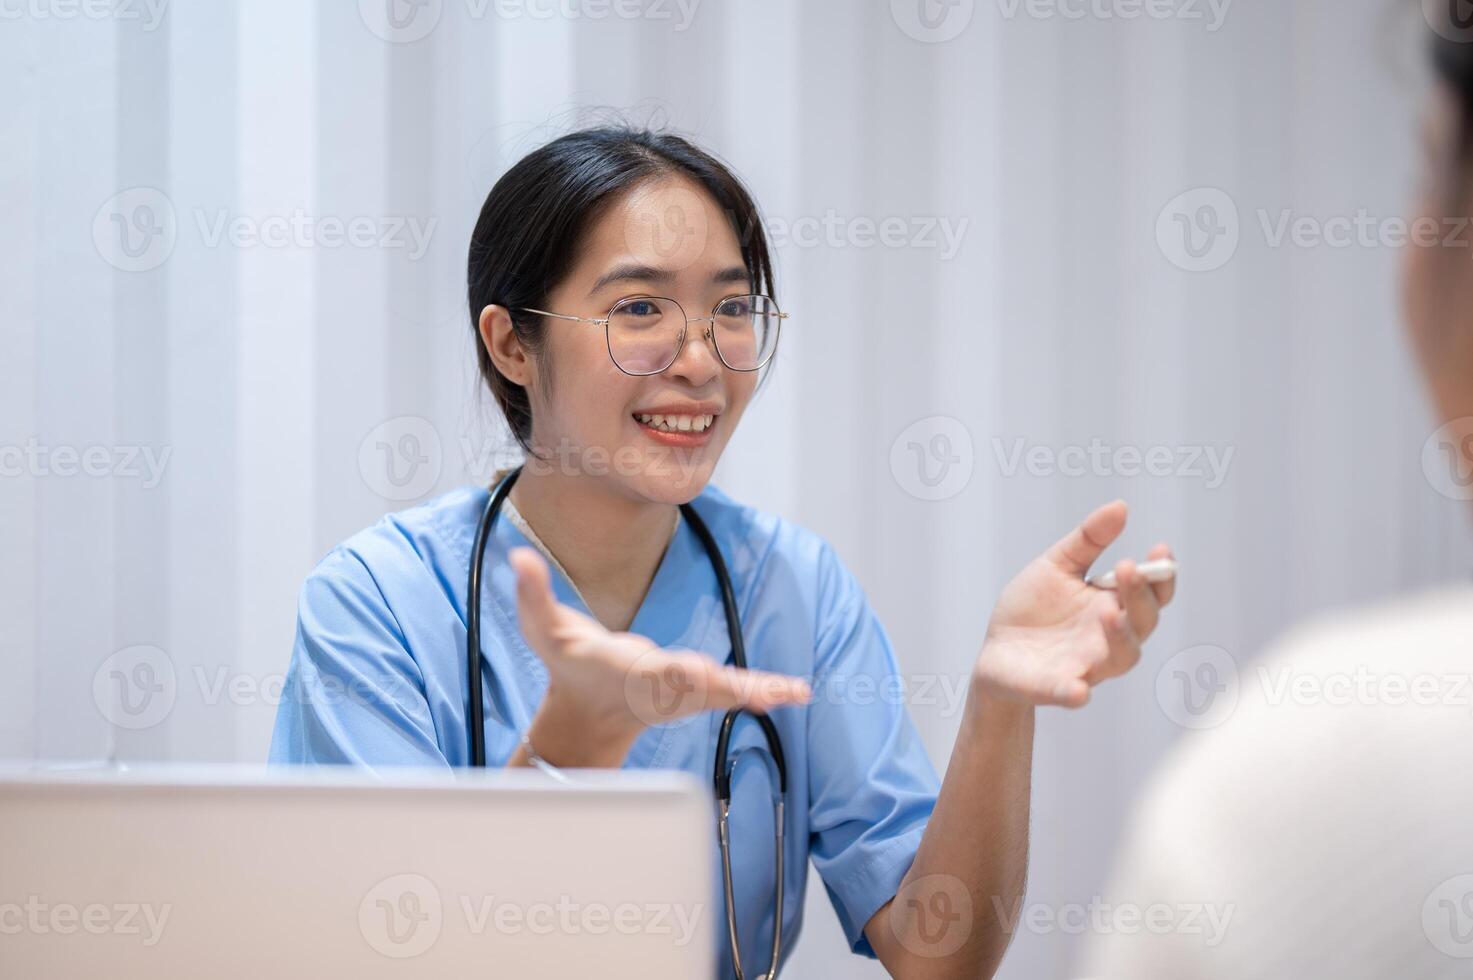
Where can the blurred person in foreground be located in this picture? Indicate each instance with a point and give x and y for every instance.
(1325, 829)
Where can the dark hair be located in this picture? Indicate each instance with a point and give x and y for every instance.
(1452, 57)
(527, 237)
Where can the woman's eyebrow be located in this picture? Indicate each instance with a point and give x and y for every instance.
(734, 273)
(640, 273)
(648, 273)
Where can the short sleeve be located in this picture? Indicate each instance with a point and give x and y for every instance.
(353, 694)
(872, 786)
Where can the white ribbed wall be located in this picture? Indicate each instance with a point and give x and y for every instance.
(261, 370)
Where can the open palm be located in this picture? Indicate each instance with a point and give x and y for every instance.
(1052, 637)
(622, 682)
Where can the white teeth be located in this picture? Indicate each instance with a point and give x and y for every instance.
(678, 423)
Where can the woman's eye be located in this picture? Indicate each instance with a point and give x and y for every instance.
(641, 307)
(734, 307)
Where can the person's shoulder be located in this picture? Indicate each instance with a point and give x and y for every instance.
(781, 557)
(1425, 631)
(1370, 687)
(407, 544)
(757, 536)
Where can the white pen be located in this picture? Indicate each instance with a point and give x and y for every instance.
(1157, 570)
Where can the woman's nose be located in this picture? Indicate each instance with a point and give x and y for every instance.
(697, 361)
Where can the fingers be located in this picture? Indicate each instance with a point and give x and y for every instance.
(1079, 549)
(1136, 597)
(1036, 680)
(1164, 590)
(1123, 646)
(538, 610)
(759, 690)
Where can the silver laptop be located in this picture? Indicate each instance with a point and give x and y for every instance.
(333, 872)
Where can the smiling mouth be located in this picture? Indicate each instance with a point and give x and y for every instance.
(692, 424)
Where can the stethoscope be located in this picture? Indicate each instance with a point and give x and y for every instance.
(777, 765)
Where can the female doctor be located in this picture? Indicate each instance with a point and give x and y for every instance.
(621, 291)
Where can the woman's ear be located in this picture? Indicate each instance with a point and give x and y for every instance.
(507, 352)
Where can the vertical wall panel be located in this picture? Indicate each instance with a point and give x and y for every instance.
(204, 538)
(20, 54)
(276, 364)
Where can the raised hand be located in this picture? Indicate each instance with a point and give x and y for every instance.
(1052, 637)
(606, 687)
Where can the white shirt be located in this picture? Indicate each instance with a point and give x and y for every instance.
(1325, 829)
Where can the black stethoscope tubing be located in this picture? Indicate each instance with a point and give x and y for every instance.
(476, 715)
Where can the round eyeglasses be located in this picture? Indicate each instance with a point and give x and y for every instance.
(645, 334)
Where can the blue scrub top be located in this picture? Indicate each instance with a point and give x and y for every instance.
(383, 618)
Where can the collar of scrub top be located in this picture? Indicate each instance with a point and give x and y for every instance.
(521, 524)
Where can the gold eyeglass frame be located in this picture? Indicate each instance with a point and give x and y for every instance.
(684, 331)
